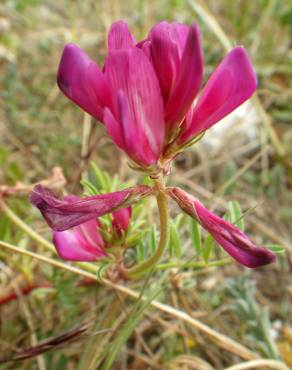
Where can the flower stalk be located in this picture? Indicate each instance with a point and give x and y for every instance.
(162, 203)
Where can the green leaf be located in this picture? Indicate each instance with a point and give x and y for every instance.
(140, 250)
(135, 238)
(152, 239)
(89, 188)
(62, 363)
(174, 242)
(102, 178)
(115, 182)
(236, 216)
(207, 248)
(195, 233)
(276, 248)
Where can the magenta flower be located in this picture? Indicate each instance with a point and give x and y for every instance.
(121, 219)
(230, 85)
(233, 240)
(85, 242)
(82, 243)
(147, 96)
(176, 54)
(63, 214)
(125, 97)
(145, 92)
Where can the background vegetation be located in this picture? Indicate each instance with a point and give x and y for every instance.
(45, 307)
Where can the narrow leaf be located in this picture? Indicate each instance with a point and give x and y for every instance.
(236, 216)
(152, 240)
(89, 188)
(207, 249)
(276, 248)
(140, 250)
(175, 242)
(195, 233)
(102, 178)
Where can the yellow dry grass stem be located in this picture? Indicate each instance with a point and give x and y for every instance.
(259, 364)
(218, 338)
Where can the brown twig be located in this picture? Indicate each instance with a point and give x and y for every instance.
(56, 181)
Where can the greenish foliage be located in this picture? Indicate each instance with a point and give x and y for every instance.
(195, 234)
(256, 319)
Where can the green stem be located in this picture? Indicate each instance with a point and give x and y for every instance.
(196, 264)
(162, 203)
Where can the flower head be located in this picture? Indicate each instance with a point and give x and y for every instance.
(145, 92)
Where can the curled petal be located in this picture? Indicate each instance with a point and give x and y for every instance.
(233, 240)
(62, 214)
(121, 219)
(138, 103)
(119, 36)
(231, 84)
(81, 80)
(82, 243)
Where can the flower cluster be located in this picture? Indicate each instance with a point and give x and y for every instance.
(146, 95)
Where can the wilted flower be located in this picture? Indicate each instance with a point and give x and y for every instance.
(145, 92)
(233, 240)
(63, 214)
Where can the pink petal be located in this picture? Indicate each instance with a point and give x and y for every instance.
(233, 240)
(188, 80)
(114, 128)
(121, 219)
(89, 232)
(139, 147)
(167, 45)
(145, 45)
(232, 83)
(62, 214)
(119, 36)
(81, 80)
(139, 103)
(82, 243)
